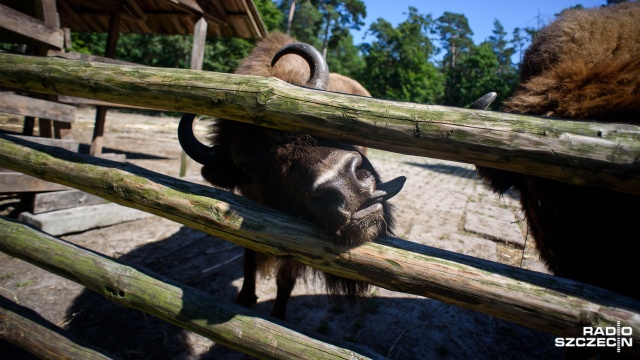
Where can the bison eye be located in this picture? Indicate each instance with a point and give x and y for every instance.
(362, 174)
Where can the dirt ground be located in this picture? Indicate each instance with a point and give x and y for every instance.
(443, 204)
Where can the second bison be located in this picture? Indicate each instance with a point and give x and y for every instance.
(585, 65)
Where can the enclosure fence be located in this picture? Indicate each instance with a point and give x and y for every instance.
(586, 153)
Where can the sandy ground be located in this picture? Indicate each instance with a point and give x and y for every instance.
(443, 204)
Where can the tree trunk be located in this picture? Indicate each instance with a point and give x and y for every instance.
(291, 11)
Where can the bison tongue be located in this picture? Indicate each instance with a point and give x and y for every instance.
(386, 191)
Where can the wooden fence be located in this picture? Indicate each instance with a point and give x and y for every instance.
(597, 154)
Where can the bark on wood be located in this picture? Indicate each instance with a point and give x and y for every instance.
(28, 330)
(192, 309)
(539, 301)
(582, 153)
(72, 55)
(16, 182)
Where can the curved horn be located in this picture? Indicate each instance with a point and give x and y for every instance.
(483, 102)
(191, 145)
(319, 78)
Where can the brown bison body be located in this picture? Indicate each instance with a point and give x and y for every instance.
(585, 65)
(343, 84)
(330, 184)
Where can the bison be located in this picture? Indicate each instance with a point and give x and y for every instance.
(322, 181)
(343, 84)
(584, 66)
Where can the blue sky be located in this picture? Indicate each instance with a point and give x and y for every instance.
(481, 14)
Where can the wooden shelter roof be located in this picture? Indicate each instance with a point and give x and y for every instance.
(225, 18)
(228, 18)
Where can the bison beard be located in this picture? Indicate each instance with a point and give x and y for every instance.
(586, 65)
(330, 184)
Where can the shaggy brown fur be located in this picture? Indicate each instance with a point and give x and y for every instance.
(278, 169)
(585, 65)
(290, 68)
(343, 84)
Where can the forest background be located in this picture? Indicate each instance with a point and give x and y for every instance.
(423, 59)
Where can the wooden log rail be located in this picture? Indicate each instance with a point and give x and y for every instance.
(229, 324)
(582, 153)
(25, 328)
(552, 304)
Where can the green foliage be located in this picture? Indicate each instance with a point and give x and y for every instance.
(306, 23)
(224, 55)
(89, 43)
(326, 24)
(271, 15)
(478, 72)
(471, 71)
(455, 36)
(173, 51)
(343, 57)
(519, 40)
(397, 62)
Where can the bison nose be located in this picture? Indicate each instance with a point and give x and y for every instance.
(340, 189)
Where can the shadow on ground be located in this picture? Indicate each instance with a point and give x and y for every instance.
(395, 325)
(447, 169)
(84, 149)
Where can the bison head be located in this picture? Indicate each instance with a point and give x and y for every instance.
(329, 183)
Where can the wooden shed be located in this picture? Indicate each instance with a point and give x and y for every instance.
(46, 25)
(43, 28)
(229, 18)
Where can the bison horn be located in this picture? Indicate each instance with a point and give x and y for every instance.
(319, 78)
(191, 145)
(484, 102)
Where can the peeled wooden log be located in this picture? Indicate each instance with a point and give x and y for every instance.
(536, 300)
(229, 324)
(28, 330)
(581, 153)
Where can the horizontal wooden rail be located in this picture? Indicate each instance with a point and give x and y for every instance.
(30, 27)
(28, 330)
(229, 324)
(536, 300)
(28, 106)
(582, 153)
